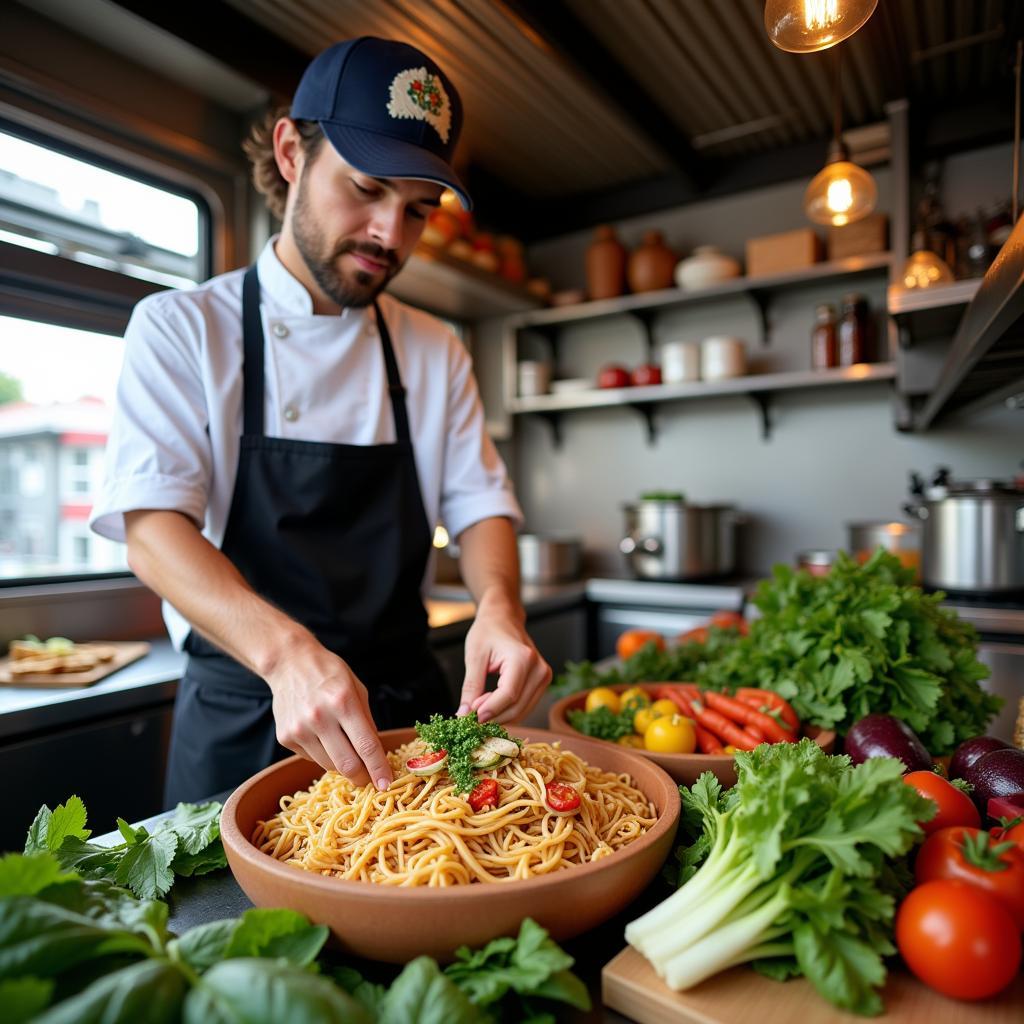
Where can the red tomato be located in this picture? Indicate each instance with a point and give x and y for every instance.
(958, 940)
(485, 794)
(634, 640)
(1014, 834)
(425, 760)
(730, 620)
(561, 798)
(969, 855)
(646, 373)
(955, 807)
(613, 376)
(694, 636)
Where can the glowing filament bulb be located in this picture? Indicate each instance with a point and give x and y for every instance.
(840, 195)
(819, 14)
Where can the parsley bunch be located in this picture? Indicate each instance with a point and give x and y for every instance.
(863, 639)
(602, 723)
(460, 737)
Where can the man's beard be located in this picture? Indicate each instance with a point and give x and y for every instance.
(361, 288)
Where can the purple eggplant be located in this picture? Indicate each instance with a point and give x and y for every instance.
(885, 736)
(969, 751)
(997, 773)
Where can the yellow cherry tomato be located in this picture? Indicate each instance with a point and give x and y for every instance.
(671, 735)
(602, 697)
(631, 741)
(665, 707)
(729, 749)
(634, 697)
(642, 719)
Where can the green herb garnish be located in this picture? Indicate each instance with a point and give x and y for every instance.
(460, 737)
(603, 723)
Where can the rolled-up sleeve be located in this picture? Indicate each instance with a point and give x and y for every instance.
(158, 452)
(475, 482)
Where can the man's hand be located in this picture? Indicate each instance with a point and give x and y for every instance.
(322, 712)
(497, 642)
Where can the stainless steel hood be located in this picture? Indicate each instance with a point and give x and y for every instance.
(985, 364)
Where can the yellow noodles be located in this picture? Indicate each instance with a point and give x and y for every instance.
(419, 832)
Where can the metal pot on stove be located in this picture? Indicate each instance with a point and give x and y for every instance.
(669, 539)
(972, 534)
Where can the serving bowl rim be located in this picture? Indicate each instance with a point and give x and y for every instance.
(238, 844)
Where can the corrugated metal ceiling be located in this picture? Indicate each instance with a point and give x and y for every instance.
(541, 118)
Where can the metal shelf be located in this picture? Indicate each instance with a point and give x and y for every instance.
(450, 287)
(925, 313)
(757, 387)
(649, 302)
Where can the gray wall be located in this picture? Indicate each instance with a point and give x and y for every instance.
(834, 455)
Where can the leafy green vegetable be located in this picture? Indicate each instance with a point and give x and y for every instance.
(862, 639)
(796, 874)
(529, 965)
(421, 994)
(460, 737)
(146, 862)
(257, 991)
(22, 875)
(23, 998)
(602, 723)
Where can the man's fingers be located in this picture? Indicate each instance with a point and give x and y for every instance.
(343, 756)
(313, 750)
(510, 685)
(361, 734)
(473, 685)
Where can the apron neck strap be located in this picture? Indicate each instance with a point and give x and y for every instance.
(252, 366)
(395, 388)
(252, 375)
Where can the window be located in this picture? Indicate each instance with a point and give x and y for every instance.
(57, 388)
(64, 205)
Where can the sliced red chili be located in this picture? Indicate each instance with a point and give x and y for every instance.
(560, 797)
(485, 794)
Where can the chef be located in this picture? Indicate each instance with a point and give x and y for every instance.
(287, 436)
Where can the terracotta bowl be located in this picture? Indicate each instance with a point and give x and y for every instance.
(399, 924)
(684, 768)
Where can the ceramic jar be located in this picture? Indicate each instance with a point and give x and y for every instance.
(605, 265)
(705, 267)
(680, 361)
(722, 357)
(651, 265)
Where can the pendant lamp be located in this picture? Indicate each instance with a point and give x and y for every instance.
(803, 26)
(841, 192)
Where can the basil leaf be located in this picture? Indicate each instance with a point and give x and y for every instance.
(366, 993)
(147, 993)
(43, 939)
(421, 994)
(564, 987)
(23, 998)
(248, 991)
(209, 859)
(277, 933)
(203, 946)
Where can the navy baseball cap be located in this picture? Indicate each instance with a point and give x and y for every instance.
(387, 109)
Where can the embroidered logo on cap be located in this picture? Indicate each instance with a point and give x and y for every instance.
(418, 94)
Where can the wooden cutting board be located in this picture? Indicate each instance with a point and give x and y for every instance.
(630, 985)
(127, 651)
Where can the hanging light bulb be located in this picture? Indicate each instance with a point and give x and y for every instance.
(803, 26)
(841, 192)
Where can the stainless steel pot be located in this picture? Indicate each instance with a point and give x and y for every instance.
(902, 539)
(549, 558)
(973, 537)
(672, 540)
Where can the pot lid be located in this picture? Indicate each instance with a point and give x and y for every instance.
(984, 485)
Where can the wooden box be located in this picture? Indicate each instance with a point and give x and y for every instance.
(790, 250)
(867, 235)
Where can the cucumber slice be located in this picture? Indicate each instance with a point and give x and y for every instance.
(506, 748)
(483, 758)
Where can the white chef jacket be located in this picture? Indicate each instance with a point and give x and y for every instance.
(175, 437)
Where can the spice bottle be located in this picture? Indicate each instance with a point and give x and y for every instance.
(824, 346)
(853, 330)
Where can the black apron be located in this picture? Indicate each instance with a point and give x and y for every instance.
(336, 536)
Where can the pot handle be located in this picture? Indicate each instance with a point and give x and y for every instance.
(648, 546)
(1020, 519)
(916, 510)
